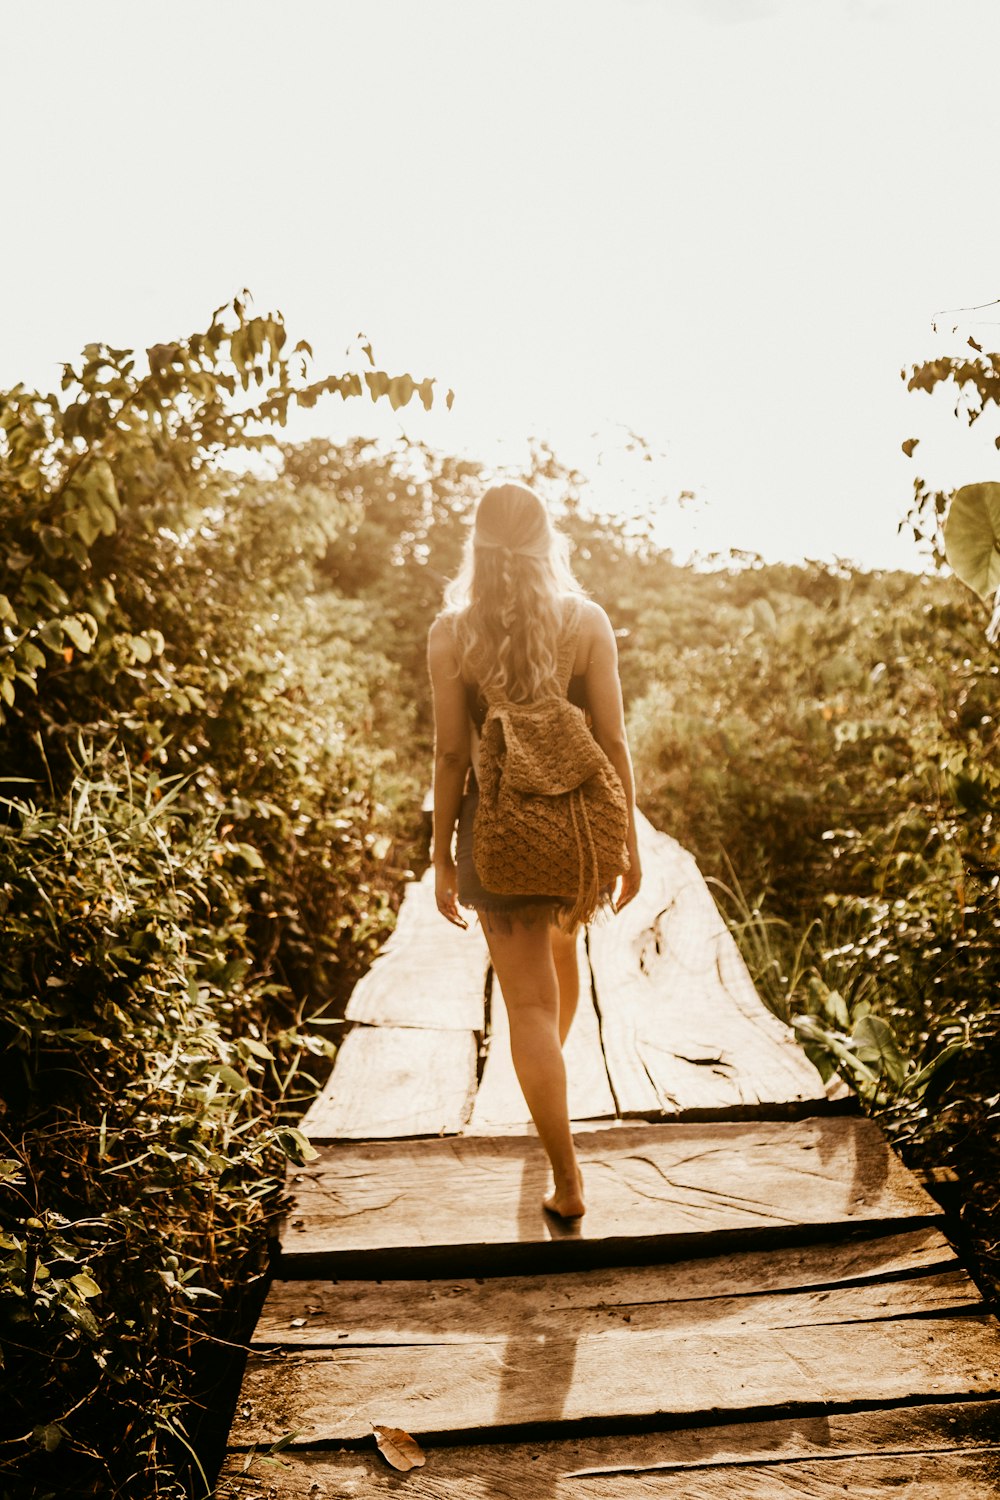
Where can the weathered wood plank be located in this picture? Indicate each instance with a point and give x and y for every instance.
(461, 1390)
(396, 1081)
(949, 1292)
(947, 1476)
(671, 1464)
(653, 1192)
(429, 974)
(499, 1101)
(684, 1032)
(302, 1318)
(883, 1277)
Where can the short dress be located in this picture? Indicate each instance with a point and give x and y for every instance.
(503, 910)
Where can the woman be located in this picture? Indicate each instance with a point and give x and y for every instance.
(516, 618)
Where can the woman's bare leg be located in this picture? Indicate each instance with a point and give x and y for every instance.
(524, 965)
(564, 948)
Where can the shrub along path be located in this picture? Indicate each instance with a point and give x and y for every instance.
(759, 1300)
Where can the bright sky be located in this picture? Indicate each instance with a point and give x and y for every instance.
(724, 224)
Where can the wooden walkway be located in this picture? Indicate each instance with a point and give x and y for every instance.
(759, 1302)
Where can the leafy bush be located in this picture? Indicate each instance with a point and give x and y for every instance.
(146, 1080)
(194, 852)
(832, 750)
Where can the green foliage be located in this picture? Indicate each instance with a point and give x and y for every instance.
(193, 853)
(104, 487)
(963, 527)
(837, 752)
(848, 717)
(147, 1073)
(976, 379)
(401, 539)
(972, 537)
(839, 1028)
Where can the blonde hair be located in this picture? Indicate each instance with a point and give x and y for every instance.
(507, 598)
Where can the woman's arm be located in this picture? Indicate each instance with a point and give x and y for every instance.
(604, 700)
(452, 733)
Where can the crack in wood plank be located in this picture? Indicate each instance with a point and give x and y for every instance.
(764, 1462)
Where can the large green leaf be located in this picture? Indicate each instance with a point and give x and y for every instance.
(917, 1082)
(972, 537)
(875, 1042)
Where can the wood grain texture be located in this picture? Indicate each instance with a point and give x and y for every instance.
(653, 1191)
(884, 1277)
(499, 1101)
(684, 1032)
(396, 1081)
(947, 1476)
(429, 974)
(463, 1390)
(305, 1327)
(955, 1441)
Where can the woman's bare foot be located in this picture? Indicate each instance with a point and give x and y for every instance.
(567, 1201)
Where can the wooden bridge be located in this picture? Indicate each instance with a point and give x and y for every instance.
(760, 1301)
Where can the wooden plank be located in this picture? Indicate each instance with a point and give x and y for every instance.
(459, 1390)
(796, 1457)
(429, 974)
(417, 911)
(887, 1276)
(318, 1321)
(653, 1192)
(499, 1101)
(949, 1476)
(685, 1034)
(396, 1081)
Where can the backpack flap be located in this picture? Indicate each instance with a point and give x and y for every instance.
(544, 748)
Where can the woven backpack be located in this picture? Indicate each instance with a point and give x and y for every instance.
(552, 816)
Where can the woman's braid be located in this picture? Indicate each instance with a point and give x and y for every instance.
(508, 609)
(508, 617)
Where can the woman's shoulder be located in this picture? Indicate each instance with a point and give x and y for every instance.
(594, 626)
(441, 642)
(592, 616)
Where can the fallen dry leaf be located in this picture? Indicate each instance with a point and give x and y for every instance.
(398, 1447)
